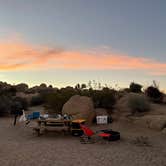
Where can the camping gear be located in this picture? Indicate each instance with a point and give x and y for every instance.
(76, 129)
(109, 135)
(114, 135)
(30, 117)
(102, 119)
(17, 112)
(34, 115)
(23, 117)
(87, 131)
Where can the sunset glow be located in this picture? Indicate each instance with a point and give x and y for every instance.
(69, 41)
(23, 56)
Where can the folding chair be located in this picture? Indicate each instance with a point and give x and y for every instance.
(109, 135)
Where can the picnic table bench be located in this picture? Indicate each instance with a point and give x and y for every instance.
(52, 124)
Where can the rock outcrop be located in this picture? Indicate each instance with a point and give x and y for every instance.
(122, 105)
(80, 107)
(164, 131)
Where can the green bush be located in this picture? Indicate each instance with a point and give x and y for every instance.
(105, 98)
(8, 91)
(16, 107)
(18, 104)
(5, 105)
(55, 101)
(21, 87)
(9, 105)
(23, 102)
(138, 103)
(154, 94)
(36, 100)
(136, 88)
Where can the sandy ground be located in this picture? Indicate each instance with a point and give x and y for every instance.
(19, 147)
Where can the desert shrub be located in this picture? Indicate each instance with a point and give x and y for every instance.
(21, 87)
(138, 103)
(36, 100)
(154, 94)
(21, 101)
(8, 91)
(16, 107)
(5, 105)
(136, 88)
(126, 90)
(85, 92)
(104, 98)
(8, 104)
(68, 91)
(55, 101)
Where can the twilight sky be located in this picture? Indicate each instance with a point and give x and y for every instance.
(63, 42)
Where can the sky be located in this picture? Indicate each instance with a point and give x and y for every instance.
(65, 42)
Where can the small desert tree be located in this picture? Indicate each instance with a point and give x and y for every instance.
(136, 88)
(55, 101)
(154, 94)
(5, 105)
(104, 98)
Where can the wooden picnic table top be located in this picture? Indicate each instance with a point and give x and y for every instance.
(52, 124)
(53, 120)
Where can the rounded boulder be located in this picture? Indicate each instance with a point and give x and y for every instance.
(80, 107)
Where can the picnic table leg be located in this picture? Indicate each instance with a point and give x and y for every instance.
(37, 131)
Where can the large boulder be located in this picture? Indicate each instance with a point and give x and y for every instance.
(80, 107)
(164, 131)
(122, 106)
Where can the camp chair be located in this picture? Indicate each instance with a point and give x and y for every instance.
(87, 133)
(86, 137)
(110, 135)
(34, 115)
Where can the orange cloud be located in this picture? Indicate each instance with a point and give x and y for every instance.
(19, 55)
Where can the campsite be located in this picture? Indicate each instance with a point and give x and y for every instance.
(82, 82)
(18, 146)
(44, 137)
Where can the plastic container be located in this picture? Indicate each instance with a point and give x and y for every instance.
(102, 119)
(36, 115)
(114, 135)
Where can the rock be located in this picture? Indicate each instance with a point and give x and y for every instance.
(157, 122)
(122, 105)
(80, 107)
(164, 131)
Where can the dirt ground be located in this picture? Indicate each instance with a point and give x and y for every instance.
(20, 147)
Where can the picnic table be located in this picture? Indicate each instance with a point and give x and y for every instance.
(52, 124)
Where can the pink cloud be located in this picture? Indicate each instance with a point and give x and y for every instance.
(18, 55)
